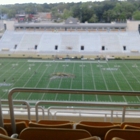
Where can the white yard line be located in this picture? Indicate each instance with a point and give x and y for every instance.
(5, 71)
(92, 76)
(39, 78)
(126, 80)
(71, 81)
(114, 78)
(82, 77)
(67, 61)
(13, 74)
(49, 80)
(134, 76)
(127, 83)
(60, 83)
(93, 80)
(82, 81)
(124, 98)
(19, 78)
(8, 78)
(3, 66)
(105, 84)
(137, 96)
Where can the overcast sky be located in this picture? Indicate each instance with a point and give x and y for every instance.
(41, 1)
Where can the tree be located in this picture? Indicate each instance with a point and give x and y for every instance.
(93, 19)
(66, 14)
(136, 15)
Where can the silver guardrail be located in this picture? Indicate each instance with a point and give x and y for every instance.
(46, 91)
(93, 104)
(81, 110)
(21, 102)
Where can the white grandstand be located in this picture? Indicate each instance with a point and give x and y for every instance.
(71, 42)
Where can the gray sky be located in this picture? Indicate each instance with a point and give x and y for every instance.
(41, 1)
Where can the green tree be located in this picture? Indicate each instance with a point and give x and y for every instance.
(136, 15)
(93, 19)
(66, 14)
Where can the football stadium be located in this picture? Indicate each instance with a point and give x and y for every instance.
(56, 75)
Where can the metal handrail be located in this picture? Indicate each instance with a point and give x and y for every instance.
(122, 105)
(80, 111)
(46, 91)
(22, 102)
(75, 108)
(43, 111)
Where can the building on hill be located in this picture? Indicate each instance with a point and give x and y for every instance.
(3, 16)
(71, 20)
(71, 25)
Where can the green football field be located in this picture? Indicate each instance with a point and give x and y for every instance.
(113, 75)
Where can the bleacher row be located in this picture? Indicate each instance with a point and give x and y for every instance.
(68, 130)
(70, 42)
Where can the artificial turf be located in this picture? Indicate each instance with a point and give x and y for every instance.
(112, 75)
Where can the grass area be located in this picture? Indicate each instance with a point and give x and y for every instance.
(114, 75)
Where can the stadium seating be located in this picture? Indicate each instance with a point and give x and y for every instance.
(51, 122)
(53, 134)
(19, 120)
(48, 43)
(116, 138)
(3, 131)
(19, 127)
(66, 125)
(97, 130)
(131, 127)
(92, 138)
(29, 41)
(130, 123)
(124, 134)
(96, 123)
(3, 137)
(70, 42)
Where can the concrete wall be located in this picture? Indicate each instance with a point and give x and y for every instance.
(132, 25)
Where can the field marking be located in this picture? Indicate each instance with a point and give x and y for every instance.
(103, 79)
(93, 80)
(71, 81)
(60, 82)
(82, 77)
(12, 75)
(106, 85)
(27, 81)
(114, 79)
(5, 71)
(49, 80)
(126, 80)
(38, 80)
(82, 81)
(127, 83)
(138, 96)
(6, 80)
(134, 76)
(124, 98)
(62, 61)
(19, 78)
